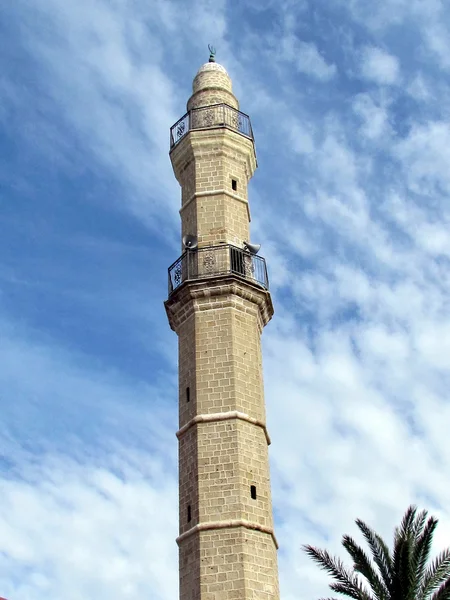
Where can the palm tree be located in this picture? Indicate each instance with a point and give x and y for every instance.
(400, 575)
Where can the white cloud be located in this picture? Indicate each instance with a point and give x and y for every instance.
(357, 354)
(379, 66)
(425, 155)
(337, 441)
(428, 20)
(437, 38)
(374, 117)
(304, 56)
(301, 137)
(388, 14)
(110, 95)
(101, 462)
(113, 101)
(418, 88)
(75, 528)
(311, 62)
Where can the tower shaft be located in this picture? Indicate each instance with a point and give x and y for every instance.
(218, 305)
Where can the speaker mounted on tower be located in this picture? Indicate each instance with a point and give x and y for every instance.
(190, 242)
(252, 248)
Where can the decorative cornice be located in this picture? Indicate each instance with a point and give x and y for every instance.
(215, 417)
(179, 305)
(232, 523)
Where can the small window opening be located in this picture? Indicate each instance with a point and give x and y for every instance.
(188, 394)
(253, 492)
(189, 513)
(234, 185)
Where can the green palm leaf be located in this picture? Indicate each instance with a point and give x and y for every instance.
(424, 538)
(363, 565)
(404, 540)
(400, 575)
(380, 553)
(357, 592)
(347, 579)
(420, 523)
(443, 592)
(437, 573)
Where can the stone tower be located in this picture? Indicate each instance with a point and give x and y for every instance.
(218, 305)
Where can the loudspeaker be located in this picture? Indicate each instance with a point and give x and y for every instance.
(252, 248)
(190, 242)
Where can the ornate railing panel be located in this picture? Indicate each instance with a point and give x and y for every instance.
(217, 260)
(205, 117)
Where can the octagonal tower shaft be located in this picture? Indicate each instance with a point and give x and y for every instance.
(218, 305)
(214, 162)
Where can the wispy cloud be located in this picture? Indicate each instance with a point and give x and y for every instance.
(74, 527)
(307, 59)
(87, 458)
(374, 117)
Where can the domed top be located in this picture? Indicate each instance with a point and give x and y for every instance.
(211, 74)
(212, 85)
(212, 66)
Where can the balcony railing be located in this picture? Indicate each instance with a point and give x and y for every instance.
(218, 260)
(206, 117)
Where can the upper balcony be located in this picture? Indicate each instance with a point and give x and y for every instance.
(214, 261)
(207, 117)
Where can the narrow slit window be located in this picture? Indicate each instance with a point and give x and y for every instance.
(189, 513)
(234, 185)
(188, 394)
(253, 492)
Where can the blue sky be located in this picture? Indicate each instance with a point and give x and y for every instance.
(350, 104)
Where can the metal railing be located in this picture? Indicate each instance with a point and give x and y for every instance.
(218, 260)
(205, 117)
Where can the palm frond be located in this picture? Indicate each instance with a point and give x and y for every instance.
(402, 552)
(336, 568)
(443, 593)
(345, 590)
(419, 523)
(421, 552)
(407, 524)
(380, 552)
(437, 573)
(363, 566)
(402, 574)
(357, 591)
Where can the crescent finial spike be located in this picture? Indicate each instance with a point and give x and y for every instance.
(212, 53)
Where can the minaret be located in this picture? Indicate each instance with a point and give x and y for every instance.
(218, 305)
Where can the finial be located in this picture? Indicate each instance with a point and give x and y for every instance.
(212, 53)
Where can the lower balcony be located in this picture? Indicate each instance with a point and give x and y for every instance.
(218, 260)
